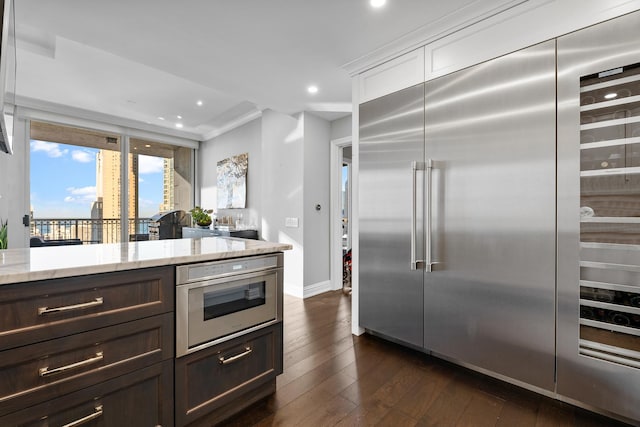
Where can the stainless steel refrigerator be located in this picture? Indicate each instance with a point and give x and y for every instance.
(500, 217)
(391, 144)
(457, 225)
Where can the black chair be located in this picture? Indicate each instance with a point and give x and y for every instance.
(39, 241)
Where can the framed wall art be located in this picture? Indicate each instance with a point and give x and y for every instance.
(232, 182)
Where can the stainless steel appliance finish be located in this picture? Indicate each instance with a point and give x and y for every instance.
(220, 300)
(490, 299)
(391, 149)
(528, 236)
(167, 225)
(598, 210)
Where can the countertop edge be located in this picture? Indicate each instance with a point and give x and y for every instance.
(19, 272)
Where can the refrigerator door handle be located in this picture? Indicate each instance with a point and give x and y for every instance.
(415, 167)
(428, 264)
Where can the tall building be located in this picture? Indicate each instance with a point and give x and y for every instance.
(168, 201)
(108, 194)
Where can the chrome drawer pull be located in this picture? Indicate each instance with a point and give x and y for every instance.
(247, 351)
(45, 372)
(83, 420)
(46, 310)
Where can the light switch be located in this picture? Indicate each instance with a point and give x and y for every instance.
(291, 222)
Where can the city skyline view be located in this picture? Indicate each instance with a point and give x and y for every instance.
(63, 181)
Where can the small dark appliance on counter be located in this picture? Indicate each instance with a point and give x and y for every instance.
(168, 225)
(190, 233)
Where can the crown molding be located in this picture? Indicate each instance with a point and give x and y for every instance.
(233, 124)
(330, 107)
(458, 20)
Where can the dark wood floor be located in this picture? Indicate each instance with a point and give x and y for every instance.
(332, 378)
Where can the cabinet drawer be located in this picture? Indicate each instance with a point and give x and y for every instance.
(42, 371)
(215, 376)
(142, 398)
(38, 311)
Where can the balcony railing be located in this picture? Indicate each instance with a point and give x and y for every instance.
(106, 230)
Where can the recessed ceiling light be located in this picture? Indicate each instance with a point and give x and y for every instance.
(312, 89)
(160, 118)
(179, 116)
(611, 95)
(179, 125)
(147, 145)
(199, 103)
(377, 3)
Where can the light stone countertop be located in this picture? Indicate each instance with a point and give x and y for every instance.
(27, 265)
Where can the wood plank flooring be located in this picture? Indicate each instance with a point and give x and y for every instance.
(332, 378)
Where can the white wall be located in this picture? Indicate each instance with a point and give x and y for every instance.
(282, 191)
(288, 176)
(244, 139)
(5, 176)
(341, 128)
(317, 138)
(14, 186)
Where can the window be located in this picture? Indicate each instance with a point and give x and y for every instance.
(77, 183)
(162, 182)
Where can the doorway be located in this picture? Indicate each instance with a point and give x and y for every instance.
(341, 233)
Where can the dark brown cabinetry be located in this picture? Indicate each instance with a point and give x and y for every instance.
(87, 348)
(142, 398)
(216, 382)
(37, 311)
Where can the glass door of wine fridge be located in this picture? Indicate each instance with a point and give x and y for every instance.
(599, 216)
(610, 215)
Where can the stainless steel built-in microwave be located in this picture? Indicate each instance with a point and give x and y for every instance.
(222, 300)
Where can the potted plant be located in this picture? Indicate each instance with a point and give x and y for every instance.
(201, 217)
(4, 244)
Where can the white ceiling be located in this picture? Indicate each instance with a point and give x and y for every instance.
(144, 59)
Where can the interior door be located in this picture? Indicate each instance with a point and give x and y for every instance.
(391, 141)
(599, 216)
(490, 133)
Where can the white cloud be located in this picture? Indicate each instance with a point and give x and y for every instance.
(82, 156)
(51, 149)
(81, 195)
(149, 164)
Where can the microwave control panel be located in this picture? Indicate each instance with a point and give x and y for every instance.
(211, 270)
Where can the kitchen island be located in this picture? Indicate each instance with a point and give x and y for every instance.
(30, 264)
(86, 331)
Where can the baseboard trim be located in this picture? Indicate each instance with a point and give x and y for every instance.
(317, 288)
(309, 290)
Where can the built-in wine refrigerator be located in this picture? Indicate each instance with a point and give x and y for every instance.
(598, 344)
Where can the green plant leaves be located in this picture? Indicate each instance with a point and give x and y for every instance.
(4, 234)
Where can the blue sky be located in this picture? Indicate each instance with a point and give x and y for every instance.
(63, 181)
(345, 176)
